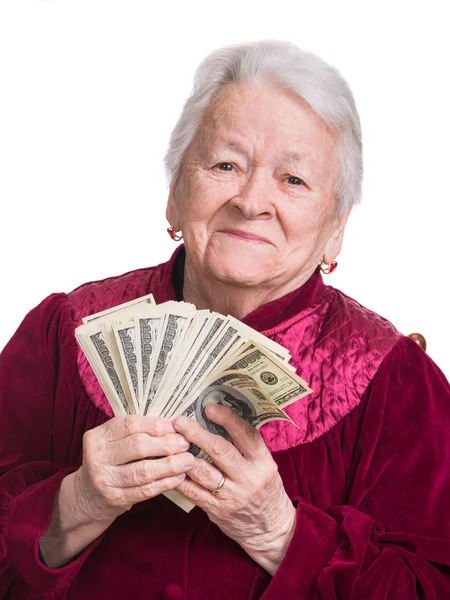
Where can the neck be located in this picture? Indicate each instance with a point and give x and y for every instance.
(228, 299)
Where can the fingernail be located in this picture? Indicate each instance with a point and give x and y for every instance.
(184, 444)
(180, 422)
(188, 460)
(211, 410)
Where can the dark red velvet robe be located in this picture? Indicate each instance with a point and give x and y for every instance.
(372, 494)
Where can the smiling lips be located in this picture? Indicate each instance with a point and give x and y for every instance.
(246, 236)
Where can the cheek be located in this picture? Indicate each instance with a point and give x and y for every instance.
(300, 218)
(202, 200)
(305, 224)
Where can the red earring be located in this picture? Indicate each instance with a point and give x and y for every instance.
(174, 234)
(329, 267)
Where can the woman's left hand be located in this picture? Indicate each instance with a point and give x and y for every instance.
(252, 506)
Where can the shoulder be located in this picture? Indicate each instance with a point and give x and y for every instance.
(337, 347)
(343, 309)
(353, 326)
(339, 336)
(409, 368)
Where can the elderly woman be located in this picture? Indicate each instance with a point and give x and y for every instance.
(265, 166)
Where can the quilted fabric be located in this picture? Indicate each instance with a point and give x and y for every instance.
(336, 345)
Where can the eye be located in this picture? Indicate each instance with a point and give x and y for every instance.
(295, 180)
(225, 166)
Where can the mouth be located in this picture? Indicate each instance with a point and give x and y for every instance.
(245, 236)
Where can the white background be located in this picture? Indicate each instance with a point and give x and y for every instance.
(90, 90)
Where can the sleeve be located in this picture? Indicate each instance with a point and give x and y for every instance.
(392, 539)
(36, 367)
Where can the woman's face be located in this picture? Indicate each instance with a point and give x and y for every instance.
(254, 199)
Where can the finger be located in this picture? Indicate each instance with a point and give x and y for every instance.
(145, 472)
(245, 437)
(141, 445)
(205, 474)
(198, 495)
(120, 427)
(223, 453)
(132, 495)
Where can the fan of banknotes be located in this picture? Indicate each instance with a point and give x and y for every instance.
(170, 359)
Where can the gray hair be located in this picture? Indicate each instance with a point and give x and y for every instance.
(318, 83)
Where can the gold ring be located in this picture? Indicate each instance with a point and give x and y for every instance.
(220, 486)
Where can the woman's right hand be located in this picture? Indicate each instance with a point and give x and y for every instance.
(115, 474)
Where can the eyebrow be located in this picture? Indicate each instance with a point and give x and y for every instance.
(289, 156)
(236, 147)
(292, 156)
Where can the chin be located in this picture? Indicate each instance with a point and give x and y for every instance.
(241, 269)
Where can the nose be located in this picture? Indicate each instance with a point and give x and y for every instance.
(255, 198)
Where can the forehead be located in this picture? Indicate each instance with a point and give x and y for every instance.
(267, 118)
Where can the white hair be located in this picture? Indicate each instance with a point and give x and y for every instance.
(317, 82)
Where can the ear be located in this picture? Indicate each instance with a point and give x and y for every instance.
(172, 214)
(334, 242)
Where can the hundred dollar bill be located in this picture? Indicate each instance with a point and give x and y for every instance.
(120, 368)
(251, 334)
(146, 328)
(166, 308)
(126, 343)
(99, 357)
(133, 304)
(171, 334)
(109, 368)
(180, 500)
(282, 385)
(242, 394)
